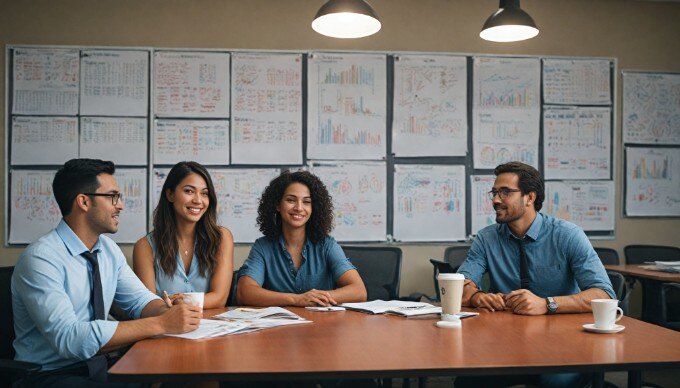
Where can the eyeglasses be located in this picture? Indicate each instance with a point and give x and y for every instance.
(115, 197)
(502, 193)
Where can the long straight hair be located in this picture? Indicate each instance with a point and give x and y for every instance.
(208, 234)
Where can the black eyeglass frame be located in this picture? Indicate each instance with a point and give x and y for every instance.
(502, 193)
(115, 197)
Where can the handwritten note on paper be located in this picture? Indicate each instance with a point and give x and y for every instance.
(651, 108)
(346, 106)
(430, 106)
(483, 214)
(266, 108)
(44, 140)
(588, 204)
(577, 81)
(652, 181)
(119, 139)
(429, 203)
(204, 141)
(33, 209)
(132, 220)
(158, 176)
(45, 81)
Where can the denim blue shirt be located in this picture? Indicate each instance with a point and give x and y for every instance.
(51, 285)
(181, 281)
(561, 260)
(271, 266)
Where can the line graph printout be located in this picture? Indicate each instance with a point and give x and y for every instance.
(504, 136)
(33, 209)
(430, 106)
(651, 108)
(588, 204)
(577, 81)
(132, 220)
(429, 203)
(483, 214)
(44, 140)
(266, 108)
(359, 198)
(347, 106)
(204, 141)
(119, 139)
(114, 83)
(577, 143)
(652, 182)
(45, 81)
(191, 84)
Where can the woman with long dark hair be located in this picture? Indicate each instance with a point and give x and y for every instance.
(297, 262)
(186, 251)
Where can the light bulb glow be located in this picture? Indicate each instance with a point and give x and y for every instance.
(508, 33)
(346, 25)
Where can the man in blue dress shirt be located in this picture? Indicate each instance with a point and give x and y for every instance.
(65, 282)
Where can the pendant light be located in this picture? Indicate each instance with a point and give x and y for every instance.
(346, 19)
(509, 24)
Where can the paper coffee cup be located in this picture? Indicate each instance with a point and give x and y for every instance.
(194, 298)
(606, 312)
(451, 290)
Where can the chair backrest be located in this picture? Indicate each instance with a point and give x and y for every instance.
(618, 283)
(608, 256)
(231, 299)
(6, 314)
(379, 268)
(638, 254)
(456, 255)
(440, 267)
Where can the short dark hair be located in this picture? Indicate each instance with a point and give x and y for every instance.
(529, 180)
(75, 177)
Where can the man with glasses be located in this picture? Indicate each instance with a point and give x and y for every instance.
(65, 282)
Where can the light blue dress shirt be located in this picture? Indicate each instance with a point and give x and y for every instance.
(51, 285)
(561, 260)
(181, 281)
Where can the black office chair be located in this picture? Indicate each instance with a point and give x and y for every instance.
(619, 284)
(379, 268)
(231, 299)
(610, 256)
(670, 302)
(639, 254)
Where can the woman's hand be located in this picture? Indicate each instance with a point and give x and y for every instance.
(315, 298)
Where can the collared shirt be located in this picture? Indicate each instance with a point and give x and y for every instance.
(181, 281)
(271, 266)
(51, 285)
(561, 260)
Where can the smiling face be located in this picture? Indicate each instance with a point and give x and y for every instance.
(190, 198)
(102, 217)
(514, 207)
(295, 206)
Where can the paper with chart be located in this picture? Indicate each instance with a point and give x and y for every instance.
(114, 83)
(483, 214)
(191, 84)
(430, 106)
(266, 108)
(359, 198)
(238, 195)
(347, 100)
(651, 108)
(43, 140)
(652, 182)
(588, 204)
(203, 141)
(506, 111)
(132, 220)
(577, 143)
(429, 202)
(158, 176)
(577, 81)
(119, 139)
(45, 81)
(33, 210)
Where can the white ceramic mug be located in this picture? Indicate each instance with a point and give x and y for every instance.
(451, 288)
(606, 312)
(194, 298)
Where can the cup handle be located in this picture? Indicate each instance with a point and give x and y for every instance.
(618, 316)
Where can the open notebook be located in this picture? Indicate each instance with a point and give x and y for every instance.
(402, 308)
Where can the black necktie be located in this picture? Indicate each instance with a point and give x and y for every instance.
(97, 365)
(523, 265)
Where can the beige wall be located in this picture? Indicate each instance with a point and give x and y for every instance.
(642, 35)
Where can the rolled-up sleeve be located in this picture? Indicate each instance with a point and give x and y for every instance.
(131, 295)
(475, 264)
(254, 266)
(336, 259)
(586, 265)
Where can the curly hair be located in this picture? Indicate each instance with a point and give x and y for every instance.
(320, 223)
(529, 180)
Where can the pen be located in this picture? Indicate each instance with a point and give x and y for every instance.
(166, 299)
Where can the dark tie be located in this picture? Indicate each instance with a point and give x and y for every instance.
(97, 365)
(523, 265)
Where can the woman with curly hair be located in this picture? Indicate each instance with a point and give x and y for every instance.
(297, 262)
(186, 251)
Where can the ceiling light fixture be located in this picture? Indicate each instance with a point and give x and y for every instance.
(509, 24)
(346, 19)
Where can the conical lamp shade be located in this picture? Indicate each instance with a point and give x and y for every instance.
(346, 19)
(509, 24)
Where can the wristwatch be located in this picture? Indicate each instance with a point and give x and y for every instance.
(551, 304)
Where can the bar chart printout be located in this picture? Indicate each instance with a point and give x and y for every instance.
(33, 209)
(652, 181)
(588, 204)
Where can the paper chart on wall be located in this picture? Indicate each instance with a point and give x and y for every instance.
(430, 106)
(577, 143)
(132, 220)
(588, 204)
(191, 84)
(652, 182)
(266, 108)
(45, 81)
(119, 139)
(429, 202)
(158, 176)
(114, 83)
(346, 106)
(203, 141)
(577, 81)
(506, 111)
(483, 214)
(44, 140)
(359, 198)
(33, 209)
(651, 108)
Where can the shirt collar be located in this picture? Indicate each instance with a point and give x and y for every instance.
(533, 232)
(305, 248)
(73, 243)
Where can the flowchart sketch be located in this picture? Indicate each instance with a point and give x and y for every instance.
(651, 108)
(122, 140)
(359, 198)
(114, 83)
(43, 140)
(45, 81)
(191, 84)
(347, 106)
(132, 183)
(430, 106)
(652, 182)
(483, 213)
(429, 202)
(504, 136)
(588, 204)
(33, 209)
(577, 143)
(203, 141)
(577, 81)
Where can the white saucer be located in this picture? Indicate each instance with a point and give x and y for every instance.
(591, 328)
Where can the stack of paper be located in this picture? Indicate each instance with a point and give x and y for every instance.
(397, 307)
(668, 266)
(269, 312)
